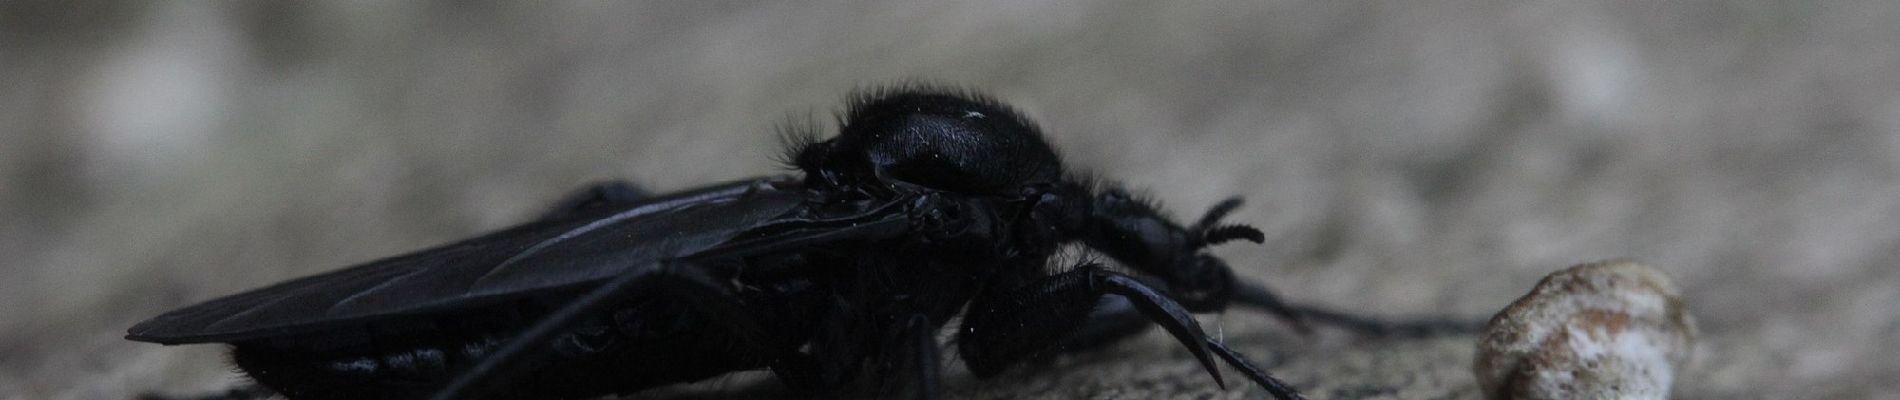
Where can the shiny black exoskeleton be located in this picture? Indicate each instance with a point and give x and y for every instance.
(929, 204)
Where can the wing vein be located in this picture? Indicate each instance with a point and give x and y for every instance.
(570, 234)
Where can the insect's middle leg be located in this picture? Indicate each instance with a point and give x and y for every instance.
(904, 360)
(910, 364)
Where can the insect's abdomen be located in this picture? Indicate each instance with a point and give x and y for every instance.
(645, 345)
(396, 372)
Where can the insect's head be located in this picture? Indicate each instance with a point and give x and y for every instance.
(926, 138)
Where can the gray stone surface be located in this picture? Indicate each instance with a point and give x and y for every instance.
(1404, 159)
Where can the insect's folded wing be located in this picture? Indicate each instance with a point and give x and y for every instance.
(606, 248)
(518, 261)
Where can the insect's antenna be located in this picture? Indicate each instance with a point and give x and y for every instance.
(1209, 231)
(1219, 211)
(498, 364)
(1225, 233)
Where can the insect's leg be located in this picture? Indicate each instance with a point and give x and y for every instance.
(835, 354)
(601, 194)
(1134, 233)
(1112, 320)
(1002, 328)
(689, 284)
(909, 364)
(907, 360)
(1255, 296)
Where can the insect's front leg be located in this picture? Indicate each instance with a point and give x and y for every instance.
(1135, 234)
(1004, 327)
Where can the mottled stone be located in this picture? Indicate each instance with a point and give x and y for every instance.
(1614, 329)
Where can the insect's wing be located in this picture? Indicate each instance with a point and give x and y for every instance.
(527, 259)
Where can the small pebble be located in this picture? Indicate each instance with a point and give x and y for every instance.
(1606, 330)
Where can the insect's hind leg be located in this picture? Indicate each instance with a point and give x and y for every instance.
(596, 195)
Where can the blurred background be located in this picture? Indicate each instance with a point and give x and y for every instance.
(1405, 159)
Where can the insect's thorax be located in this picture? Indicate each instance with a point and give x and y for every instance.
(958, 244)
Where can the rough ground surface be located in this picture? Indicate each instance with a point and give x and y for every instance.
(1432, 159)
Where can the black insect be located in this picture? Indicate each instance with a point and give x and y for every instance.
(928, 204)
